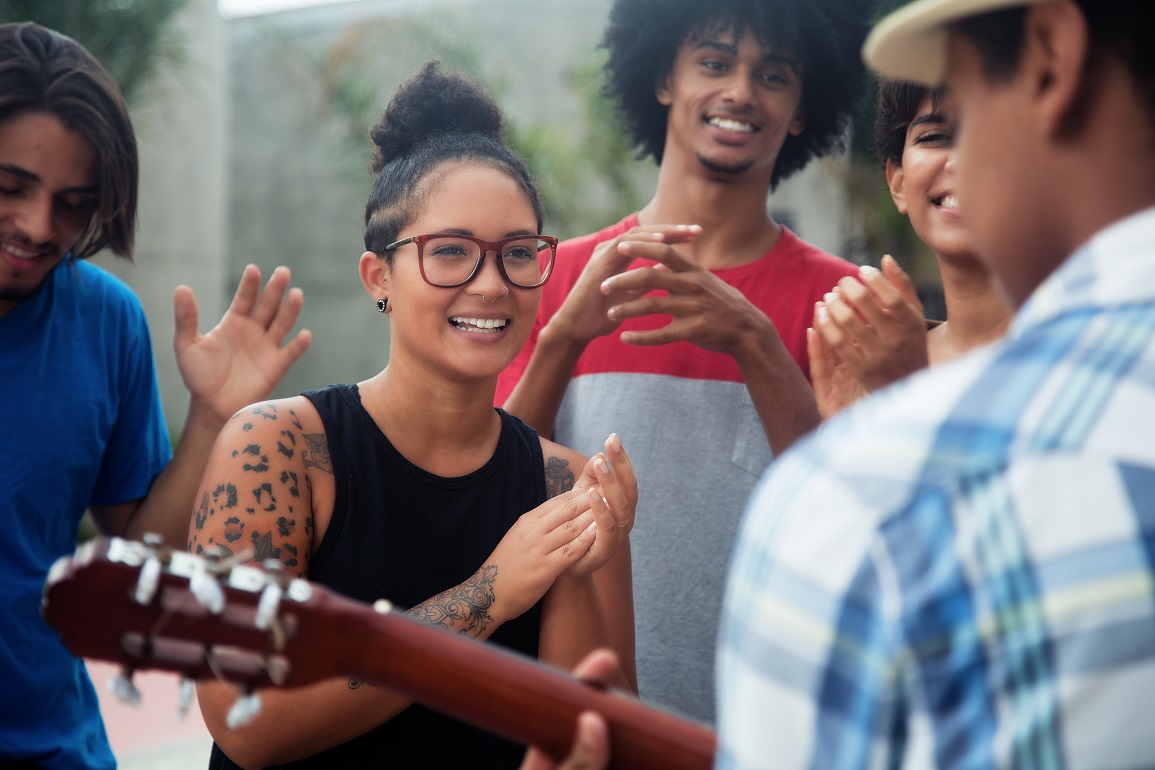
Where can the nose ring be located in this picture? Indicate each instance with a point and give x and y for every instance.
(488, 301)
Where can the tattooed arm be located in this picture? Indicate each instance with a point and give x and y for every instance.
(268, 492)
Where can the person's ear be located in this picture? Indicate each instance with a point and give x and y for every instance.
(375, 274)
(896, 181)
(798, 124)
(662, 91)
(1054, 61)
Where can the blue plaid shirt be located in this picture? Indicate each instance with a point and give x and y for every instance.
(958, 572)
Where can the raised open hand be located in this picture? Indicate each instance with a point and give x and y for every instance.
(241, 360)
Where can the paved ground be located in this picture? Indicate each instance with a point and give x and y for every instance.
(151, 736)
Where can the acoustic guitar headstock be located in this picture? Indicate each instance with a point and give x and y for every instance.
(148, 607)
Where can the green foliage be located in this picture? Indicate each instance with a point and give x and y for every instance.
(586, 171)
(133, 39)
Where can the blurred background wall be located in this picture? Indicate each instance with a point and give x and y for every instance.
(253, 139)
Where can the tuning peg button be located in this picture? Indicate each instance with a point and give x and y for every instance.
(148, 581)
(122, 687)
(268, 605)
(184, 700)
(244, 711)
(206, 589)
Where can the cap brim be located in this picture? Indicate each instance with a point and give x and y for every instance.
(910, 44)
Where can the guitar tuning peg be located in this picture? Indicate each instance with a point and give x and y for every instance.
(184, 700)
(267, 606)
(122, 687)
(244, 711)
(206, 590)
(148, 581)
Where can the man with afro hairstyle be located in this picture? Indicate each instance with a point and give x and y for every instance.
(683, 326)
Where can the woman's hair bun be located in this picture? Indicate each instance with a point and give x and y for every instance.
(430, 103)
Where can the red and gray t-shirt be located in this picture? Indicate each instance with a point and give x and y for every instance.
(691, 430)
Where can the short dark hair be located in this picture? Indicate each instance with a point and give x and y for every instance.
(434, 118)
(898, 103)
(1118, 28)
(45, 71)
(643, 38)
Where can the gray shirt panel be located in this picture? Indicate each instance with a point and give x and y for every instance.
(698, 448)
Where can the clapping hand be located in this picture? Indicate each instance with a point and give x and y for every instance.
(584, 316)
(706, 311)
(609, 477)
(867, 334)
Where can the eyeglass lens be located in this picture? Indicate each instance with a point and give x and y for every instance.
(449, 260)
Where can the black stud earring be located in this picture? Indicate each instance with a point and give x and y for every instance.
(383, 306)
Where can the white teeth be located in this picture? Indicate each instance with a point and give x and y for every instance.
(480, 325)
(949, 202)
(737, 126)
(18, 252)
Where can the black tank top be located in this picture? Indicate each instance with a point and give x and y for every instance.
(403, 534)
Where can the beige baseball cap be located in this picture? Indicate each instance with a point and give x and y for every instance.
(910, 44)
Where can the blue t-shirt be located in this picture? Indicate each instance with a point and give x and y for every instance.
(83, 426)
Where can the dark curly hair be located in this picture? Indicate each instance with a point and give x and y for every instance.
(643, 38)
(898, 103)
(434, 118)
(45, 71)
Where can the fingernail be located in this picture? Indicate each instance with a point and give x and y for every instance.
(592, 528)
(594, 494)
(866, 270)
(600, 464)
(823, 314)
(615, 442)
(830, 296)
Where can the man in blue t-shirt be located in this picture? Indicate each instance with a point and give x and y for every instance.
(79, 400)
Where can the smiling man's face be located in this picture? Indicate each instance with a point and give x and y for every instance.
(47, 196)
(732, 103)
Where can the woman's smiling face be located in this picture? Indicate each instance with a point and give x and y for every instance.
(923, 187)
(473, 330)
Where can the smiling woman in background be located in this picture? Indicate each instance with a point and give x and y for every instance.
(410, 485)
(868, 334)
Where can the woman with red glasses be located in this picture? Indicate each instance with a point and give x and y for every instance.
(409, 485)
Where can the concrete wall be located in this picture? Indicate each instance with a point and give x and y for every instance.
(255, 150)
(181, 227)
(298, 176)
